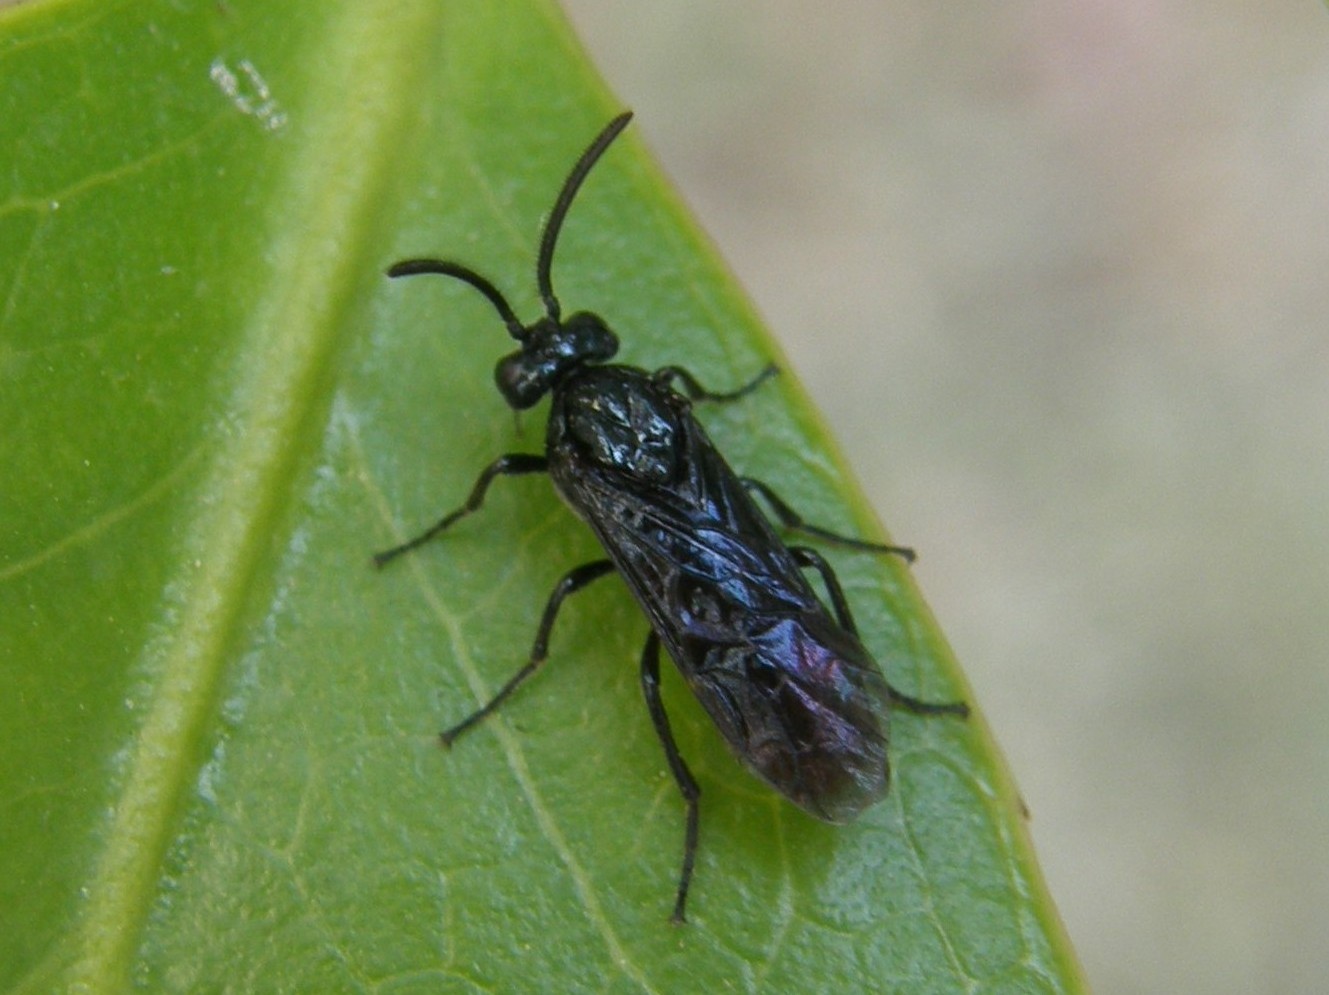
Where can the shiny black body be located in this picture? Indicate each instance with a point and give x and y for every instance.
(794, 693)
(786, 680)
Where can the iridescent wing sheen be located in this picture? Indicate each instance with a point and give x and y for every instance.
(796, 696)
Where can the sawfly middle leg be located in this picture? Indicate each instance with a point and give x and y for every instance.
(809, 558)
(795, 522)
(573, 581)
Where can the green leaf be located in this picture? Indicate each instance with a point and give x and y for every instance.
(219, 766)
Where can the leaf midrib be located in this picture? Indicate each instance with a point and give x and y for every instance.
(324, 215)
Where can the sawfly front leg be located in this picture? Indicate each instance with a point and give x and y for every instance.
(687, 785)
(793, 521)
(573, 581)
(510, 465)
(666, 375)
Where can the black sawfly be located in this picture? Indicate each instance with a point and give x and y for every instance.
(788, 682)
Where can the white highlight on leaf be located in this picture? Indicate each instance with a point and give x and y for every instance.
(248, 91)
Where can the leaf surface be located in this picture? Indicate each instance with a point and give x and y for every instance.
(219, 767)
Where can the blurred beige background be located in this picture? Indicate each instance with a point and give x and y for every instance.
(1056, 273)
